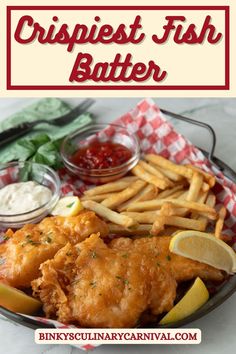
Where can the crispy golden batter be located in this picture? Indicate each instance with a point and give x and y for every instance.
(182, 268)
(30, 246)
(97, 285)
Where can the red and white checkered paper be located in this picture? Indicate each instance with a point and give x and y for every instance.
(158, 136)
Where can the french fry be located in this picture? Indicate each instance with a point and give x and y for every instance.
(211, 180)
(158, 225)
(108, 214)
(176, 194)
(119, 198)
(168, 173)
(99, 197)
(166, 193)
(154, 171)
(183, 223)
(202, 196)
(147, 217)
(210, 201)
(147, 193)
(169, 231)
(220, 222)
(112, 186)
(205, 187)
(164, 163)
(157, 204)
(183, 195)
(169, 209)
(180, 211)
(148, 177)
(195, 187)
(141, 230)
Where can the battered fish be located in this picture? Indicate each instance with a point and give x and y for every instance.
(24, 251)
(92, 284)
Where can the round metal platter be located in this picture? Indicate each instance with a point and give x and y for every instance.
(225, 291)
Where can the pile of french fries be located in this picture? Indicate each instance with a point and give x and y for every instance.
(159, 198)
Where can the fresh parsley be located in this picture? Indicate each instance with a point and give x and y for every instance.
(40, 149)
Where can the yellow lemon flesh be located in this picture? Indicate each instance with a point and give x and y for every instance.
(205, 248)
(195, 298)
(17, 301)
(67, 206)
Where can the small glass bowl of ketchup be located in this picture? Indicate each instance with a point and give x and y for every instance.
(100, 153)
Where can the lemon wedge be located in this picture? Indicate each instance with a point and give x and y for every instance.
(195, 298)
(205, 248)
(17, 301)
(67, 206)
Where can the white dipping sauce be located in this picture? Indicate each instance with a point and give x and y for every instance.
(18, 198)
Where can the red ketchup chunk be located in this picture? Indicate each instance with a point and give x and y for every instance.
(100, 155)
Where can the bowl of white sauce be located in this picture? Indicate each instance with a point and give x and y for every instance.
(28, 193)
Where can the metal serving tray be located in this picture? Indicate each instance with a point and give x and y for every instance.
(225, 291)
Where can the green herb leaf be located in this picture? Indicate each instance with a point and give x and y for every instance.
(25, 172)
(93, 284)
(24, 149)
(40, 139)
(48, 154)
(5, 237)
(94, 254)
(2, 260)
(70, 205)
(168, 257)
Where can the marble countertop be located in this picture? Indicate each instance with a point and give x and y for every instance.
(218, 327)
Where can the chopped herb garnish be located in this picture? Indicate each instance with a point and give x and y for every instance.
(93, 284)
(94, 254)
(2, 260)
(70, 205)
(5, 237)
(158, 264)
(168, 257)
(34, 243)
(49, 240)
(125, 255)
(125, 281)
(68, 254)
(31, 242)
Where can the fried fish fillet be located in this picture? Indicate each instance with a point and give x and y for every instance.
(24, 251)
(181, 268)
(94, 284)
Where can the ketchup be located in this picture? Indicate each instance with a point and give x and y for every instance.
(100, 155)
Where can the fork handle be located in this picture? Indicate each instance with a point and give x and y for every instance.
(11, 134)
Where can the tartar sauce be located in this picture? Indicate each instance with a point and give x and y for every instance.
(18, 198)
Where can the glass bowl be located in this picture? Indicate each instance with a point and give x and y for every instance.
(101, 133)
(15, 172)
